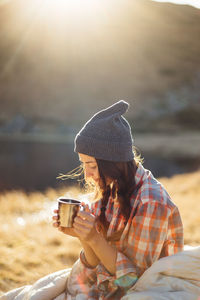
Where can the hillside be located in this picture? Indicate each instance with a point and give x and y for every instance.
(62, 70)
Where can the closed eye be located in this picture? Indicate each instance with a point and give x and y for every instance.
(82, 164)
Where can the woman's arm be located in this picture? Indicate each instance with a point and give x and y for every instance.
(106, 253)
(84, 227)
(90, 256)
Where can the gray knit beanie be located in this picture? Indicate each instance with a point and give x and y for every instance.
(107, 135)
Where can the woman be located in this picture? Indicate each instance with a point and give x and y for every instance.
(133, 224)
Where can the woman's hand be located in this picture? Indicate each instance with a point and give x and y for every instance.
(84, 225)
(66, 230)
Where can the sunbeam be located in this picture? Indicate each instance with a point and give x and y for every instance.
(28, 28)
(81, 12)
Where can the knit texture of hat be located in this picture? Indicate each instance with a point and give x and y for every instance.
(107, 135)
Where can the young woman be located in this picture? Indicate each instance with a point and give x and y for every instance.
(134, 222)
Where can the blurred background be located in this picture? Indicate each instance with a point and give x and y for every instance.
(61, 61)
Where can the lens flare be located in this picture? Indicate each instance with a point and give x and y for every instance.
(71, 8)
(83, 5)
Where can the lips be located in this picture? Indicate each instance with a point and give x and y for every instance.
(96, 179)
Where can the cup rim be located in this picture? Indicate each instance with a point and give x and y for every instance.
(66, 200)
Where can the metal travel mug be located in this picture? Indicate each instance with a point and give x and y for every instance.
(68, 209)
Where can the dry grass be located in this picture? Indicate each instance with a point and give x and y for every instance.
(185, 192)
(31, 247)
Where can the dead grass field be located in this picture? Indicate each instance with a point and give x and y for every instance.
(31, 247)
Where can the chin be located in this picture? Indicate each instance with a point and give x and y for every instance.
(96, 181)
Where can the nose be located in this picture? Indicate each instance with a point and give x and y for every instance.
(88, 173)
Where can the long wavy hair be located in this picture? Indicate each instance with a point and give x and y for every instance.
(122, 176)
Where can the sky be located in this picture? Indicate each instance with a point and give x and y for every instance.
(195, 3)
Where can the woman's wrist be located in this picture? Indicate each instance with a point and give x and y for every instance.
(85, 262)
(106, 253)
(92, 242)
(89, 255)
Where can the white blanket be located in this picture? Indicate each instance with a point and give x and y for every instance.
(46, 288)
(175, 277)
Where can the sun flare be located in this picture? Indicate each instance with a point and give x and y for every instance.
(72, 4)
(79, 13)
(72, 8)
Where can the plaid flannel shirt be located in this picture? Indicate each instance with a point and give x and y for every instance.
(154, 230)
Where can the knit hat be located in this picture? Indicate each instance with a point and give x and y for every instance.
(107, 135)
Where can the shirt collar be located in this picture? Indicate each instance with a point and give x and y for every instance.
(141, 175)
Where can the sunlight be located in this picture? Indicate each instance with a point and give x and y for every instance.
(79, 14)
(54, 21)
(77, 5)
(82, 9)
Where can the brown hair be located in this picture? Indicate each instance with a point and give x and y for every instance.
(122, 174)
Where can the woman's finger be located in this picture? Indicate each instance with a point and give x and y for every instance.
(86, 216)
(55, 217)
(83, 222)
(56, 211)
(67, 230)
(80, 229)
(83, 232)
(87, 208)
(56, 224)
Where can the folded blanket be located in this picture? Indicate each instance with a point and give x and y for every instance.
(46, 288)
(175, 277)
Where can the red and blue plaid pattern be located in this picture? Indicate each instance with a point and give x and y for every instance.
(154, 230)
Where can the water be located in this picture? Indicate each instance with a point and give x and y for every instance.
(35, 166)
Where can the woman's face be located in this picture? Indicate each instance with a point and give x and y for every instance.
(90, 168)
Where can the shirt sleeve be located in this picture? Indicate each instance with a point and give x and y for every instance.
(125, 275)
(89, 273)
(154, 227)
(175, 241)
(123, 279)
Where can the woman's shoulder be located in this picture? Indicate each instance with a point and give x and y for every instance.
(151, 190)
